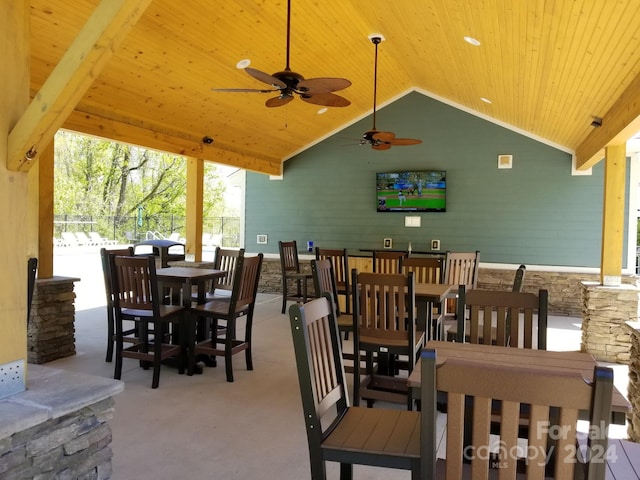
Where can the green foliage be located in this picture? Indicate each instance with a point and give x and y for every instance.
(96, 177)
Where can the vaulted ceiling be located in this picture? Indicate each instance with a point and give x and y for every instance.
(548, 68)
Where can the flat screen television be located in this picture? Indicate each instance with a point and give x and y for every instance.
(412, 191)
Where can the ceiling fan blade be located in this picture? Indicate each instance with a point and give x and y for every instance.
(385, 137)
(278, 101)
(314, 86)
(326, 99)
(405, 141)
(245, 90)
(266, 78)
(381, 146)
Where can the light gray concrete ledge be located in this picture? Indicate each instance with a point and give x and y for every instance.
(52, 393)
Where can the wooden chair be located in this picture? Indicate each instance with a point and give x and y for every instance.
(388, 262)
(136, 299)
(340, 261)
(291, 274)
(517, 319)
(518, 282)
(108, 290)
(425, 269)
(225, 259)
(460, 268)
(552, 404)
(323, 280)
(337, 432)
(223, 341)
(385, 326)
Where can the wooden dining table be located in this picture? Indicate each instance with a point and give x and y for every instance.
(188, 277)
(568, 362)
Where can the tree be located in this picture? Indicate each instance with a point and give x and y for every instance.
(99, 178)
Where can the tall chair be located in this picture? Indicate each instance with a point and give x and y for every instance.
(388, 262)
(553, 403)
(518, 282)
(425, 269)
(460, 268)
(223, 342)
(385, 325)
(336, 431)
(225, 259)
(340, 261)
(136, 299)
(514, 319)
(291, 274)
(108, 290)
(323, 281)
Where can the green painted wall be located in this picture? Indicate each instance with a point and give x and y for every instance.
(536, 213)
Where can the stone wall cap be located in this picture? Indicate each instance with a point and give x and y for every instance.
(56, 279)
(621, 287)
(634, 327)
(52, 393)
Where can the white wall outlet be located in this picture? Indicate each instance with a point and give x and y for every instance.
(435, 244)
(261, 239)
(412, 221)
(388, 243)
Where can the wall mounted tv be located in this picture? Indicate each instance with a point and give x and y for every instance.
(412, 191)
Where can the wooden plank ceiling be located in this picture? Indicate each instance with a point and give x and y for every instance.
(548, 67)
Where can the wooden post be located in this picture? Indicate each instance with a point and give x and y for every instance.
(613, 215)
(45, 212)
(195, 196)
(14, 98)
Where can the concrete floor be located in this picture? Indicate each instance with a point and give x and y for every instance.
(202, 427)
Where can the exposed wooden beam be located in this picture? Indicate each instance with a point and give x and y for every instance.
(165, 141)
(619, 124)
(81, 64)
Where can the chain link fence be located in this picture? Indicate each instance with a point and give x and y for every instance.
(224, 231)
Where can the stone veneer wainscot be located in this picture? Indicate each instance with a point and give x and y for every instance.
(58, 427)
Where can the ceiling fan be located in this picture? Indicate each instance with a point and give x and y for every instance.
(287, 83)
(377, 139)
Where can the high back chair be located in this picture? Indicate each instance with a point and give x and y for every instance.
(340, 261)
(323, 281)
(108, 290)
(425, 269)
(518, 282)
(552, 404)
(223, 341)
(225, 259)
(460, 268)
(292, 275)
(384, 327)
(388, 262)
(514, 319)
(336, 431)
(157, 330)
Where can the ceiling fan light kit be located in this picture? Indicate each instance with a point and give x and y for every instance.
(374, 137)
(287, 83)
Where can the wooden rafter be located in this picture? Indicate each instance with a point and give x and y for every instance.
(619, 124)
(73, 75)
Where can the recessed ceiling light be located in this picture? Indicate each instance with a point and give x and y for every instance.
(485, 100)
(472, 41)
(244, 63)
(322, 110)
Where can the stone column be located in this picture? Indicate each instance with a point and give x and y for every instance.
(51, 330)
(605, 311)
(633, 391)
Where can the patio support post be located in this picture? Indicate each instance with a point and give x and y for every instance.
(195, 196)
(613, 215)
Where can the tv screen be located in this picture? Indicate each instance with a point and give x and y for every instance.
(412, 191)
